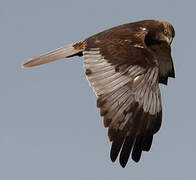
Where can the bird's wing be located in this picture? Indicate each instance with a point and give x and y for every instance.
(166, 67)
(125, 79)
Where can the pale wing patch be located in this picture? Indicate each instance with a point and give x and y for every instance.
(147, 92)
(118, 85)
(103, 76)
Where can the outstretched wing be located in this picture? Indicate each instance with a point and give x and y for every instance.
(166, 67)
(124, 76)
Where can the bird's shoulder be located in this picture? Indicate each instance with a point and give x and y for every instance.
(124, 44)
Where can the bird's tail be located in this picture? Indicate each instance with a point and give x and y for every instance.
(63, 52)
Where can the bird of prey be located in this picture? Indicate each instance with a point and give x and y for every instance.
(124, 65)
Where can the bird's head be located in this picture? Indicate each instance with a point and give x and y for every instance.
(160, 32)
(167, 32)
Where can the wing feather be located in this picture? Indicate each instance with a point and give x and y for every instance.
(124, 76)
(129, 101)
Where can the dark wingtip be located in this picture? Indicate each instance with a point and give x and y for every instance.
(146, 145)
(115, 149)
(126, 150)
(172, 72)
(163, 80)
(123, 160)
(123, 164)
(113, 155)
(136, 156)
(137, 149)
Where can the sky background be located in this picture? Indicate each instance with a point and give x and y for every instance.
(50, 127)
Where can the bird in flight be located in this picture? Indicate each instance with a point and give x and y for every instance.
(124, 65)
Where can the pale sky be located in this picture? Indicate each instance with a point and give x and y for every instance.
(50, 127)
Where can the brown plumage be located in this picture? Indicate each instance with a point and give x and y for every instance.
(124, 66)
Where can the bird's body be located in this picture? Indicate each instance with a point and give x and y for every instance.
(124, 66)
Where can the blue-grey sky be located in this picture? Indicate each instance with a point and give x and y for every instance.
(50, 127)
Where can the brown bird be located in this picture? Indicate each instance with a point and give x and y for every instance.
(124, 66)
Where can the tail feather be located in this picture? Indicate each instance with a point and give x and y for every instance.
(63, 52)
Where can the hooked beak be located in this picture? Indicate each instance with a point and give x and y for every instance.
(168, 39)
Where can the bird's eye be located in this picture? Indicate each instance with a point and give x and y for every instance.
(165, 32)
